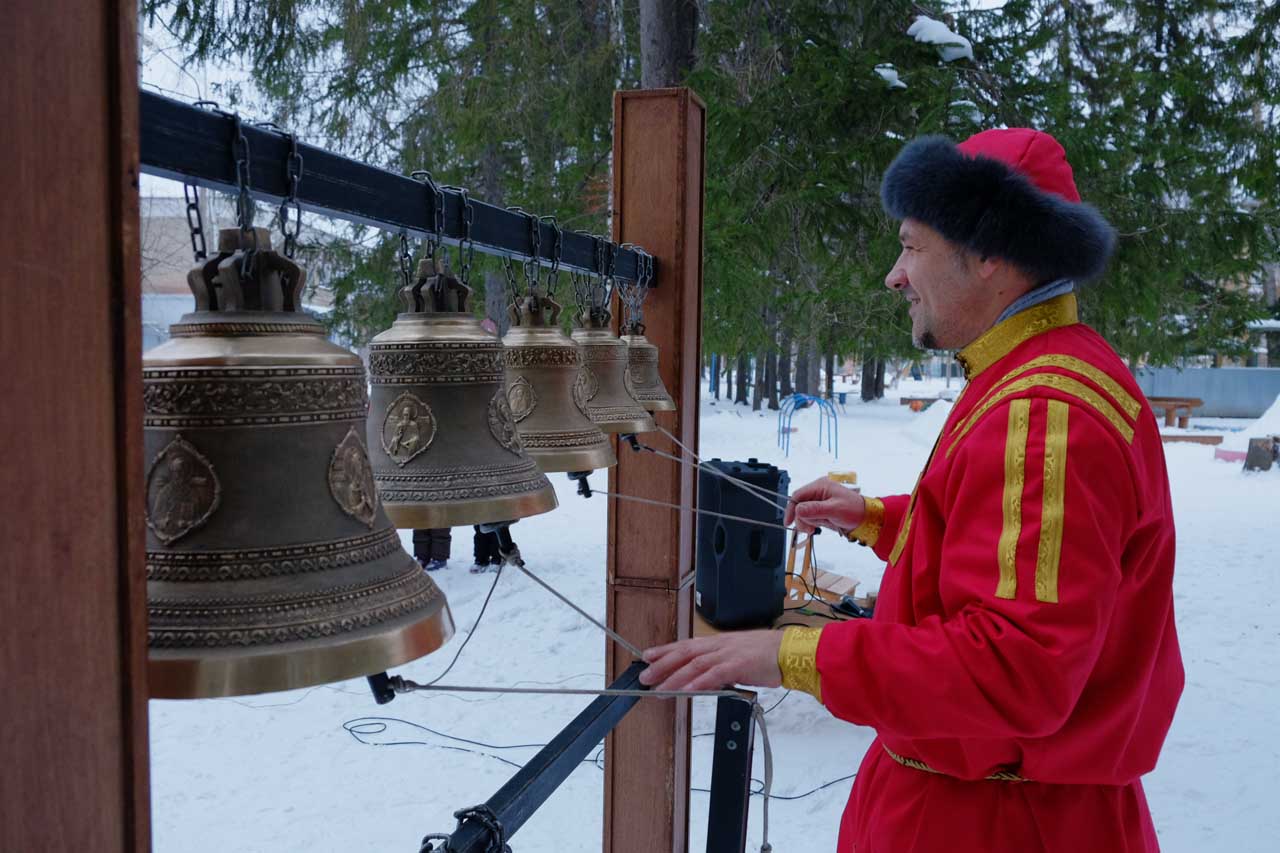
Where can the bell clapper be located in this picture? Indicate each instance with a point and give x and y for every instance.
(584, 486)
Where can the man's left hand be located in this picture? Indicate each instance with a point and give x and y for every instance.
(710, 663)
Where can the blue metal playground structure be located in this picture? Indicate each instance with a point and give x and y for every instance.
(826, 410)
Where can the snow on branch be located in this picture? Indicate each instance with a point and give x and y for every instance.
(951, 46)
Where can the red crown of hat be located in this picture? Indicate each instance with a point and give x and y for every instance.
(1007, 193)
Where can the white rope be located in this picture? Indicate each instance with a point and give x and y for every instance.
(694, 509)
(516, 561)
(404, 685)
(761, 491)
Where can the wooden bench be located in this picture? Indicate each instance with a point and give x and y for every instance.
(917, 404)
(1178, 408)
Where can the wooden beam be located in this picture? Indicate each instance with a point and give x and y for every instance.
(658, 155)
(72, 589)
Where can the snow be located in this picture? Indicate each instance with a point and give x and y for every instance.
(967, 109)
(890, 76)
(951, 46)
(1267, 425)
(280, 773)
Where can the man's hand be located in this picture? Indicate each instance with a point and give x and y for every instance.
(825, 503)
(710, 663)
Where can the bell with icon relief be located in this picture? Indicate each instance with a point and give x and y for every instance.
(271, 564)
(444, 443)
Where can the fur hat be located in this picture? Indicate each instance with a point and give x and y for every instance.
(1002, 193)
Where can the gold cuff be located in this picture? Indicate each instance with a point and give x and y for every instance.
(798, 660)
(868, 531)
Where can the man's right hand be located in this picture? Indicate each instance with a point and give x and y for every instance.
(825, 503)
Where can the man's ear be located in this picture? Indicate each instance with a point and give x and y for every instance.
(989, 265)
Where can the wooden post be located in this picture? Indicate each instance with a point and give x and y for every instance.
(72, 589)
(658, 154)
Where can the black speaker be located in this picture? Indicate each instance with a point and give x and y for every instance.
(741, 567)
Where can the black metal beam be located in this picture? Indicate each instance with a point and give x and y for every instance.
(188, 143)
(536, 781)
(730, 777)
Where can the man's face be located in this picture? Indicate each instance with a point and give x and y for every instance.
(935, 276)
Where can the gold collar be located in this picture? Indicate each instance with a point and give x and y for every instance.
(1000, 339)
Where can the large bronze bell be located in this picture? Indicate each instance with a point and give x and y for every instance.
(604, 360)
(546, 392)
(443, 440)
(642, 377)
(270, 562)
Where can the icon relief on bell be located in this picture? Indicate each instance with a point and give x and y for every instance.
(408, 428)
(182, 491)
(585, 387)
(521, 398)
(503, 424)
(351, 480)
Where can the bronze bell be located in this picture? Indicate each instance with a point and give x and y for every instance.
(642, 377)
(543, 389)
(270, 563)
(443, 440)
(604, 359)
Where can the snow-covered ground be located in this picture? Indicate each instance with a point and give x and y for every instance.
(326, 769)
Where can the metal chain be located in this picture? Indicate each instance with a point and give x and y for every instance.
(244, 200)
(632, 294)
(436, 237)
(195, 222)
(290, 209)
(405, 260)
(533, 266)
(557, 247)
(513, 287)
(467, 246)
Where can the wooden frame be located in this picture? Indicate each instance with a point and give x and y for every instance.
(72, 587)
(658, 158)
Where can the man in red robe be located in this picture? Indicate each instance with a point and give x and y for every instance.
(1022, 668)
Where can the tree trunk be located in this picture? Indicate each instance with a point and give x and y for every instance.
(714, 376)
(868, 391)
(728, 375)
(813, 381)
(758, 391)
(743, 370)
(880, 365)
(802, 370)
(784, 366)
(771, 379)
(668, 40)
(831, 376)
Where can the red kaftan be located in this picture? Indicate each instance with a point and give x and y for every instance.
(1025, 621)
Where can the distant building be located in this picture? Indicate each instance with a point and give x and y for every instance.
(167, 257)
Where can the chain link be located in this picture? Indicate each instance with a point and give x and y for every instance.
(195, 221)
(290, 209)
(532, 267)
(557, 248)
(405, 259)
(436, 235)
(467, 246)
(244, 200)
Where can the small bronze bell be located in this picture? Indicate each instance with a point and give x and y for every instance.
(545, 394)
(604, 359)
(642, 377)
(270, 563)
(443, 440)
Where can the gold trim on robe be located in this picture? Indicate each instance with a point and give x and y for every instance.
(798, 660)
(1049, 552)
(1015, 478)
(868, 532)
(1000, 339)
